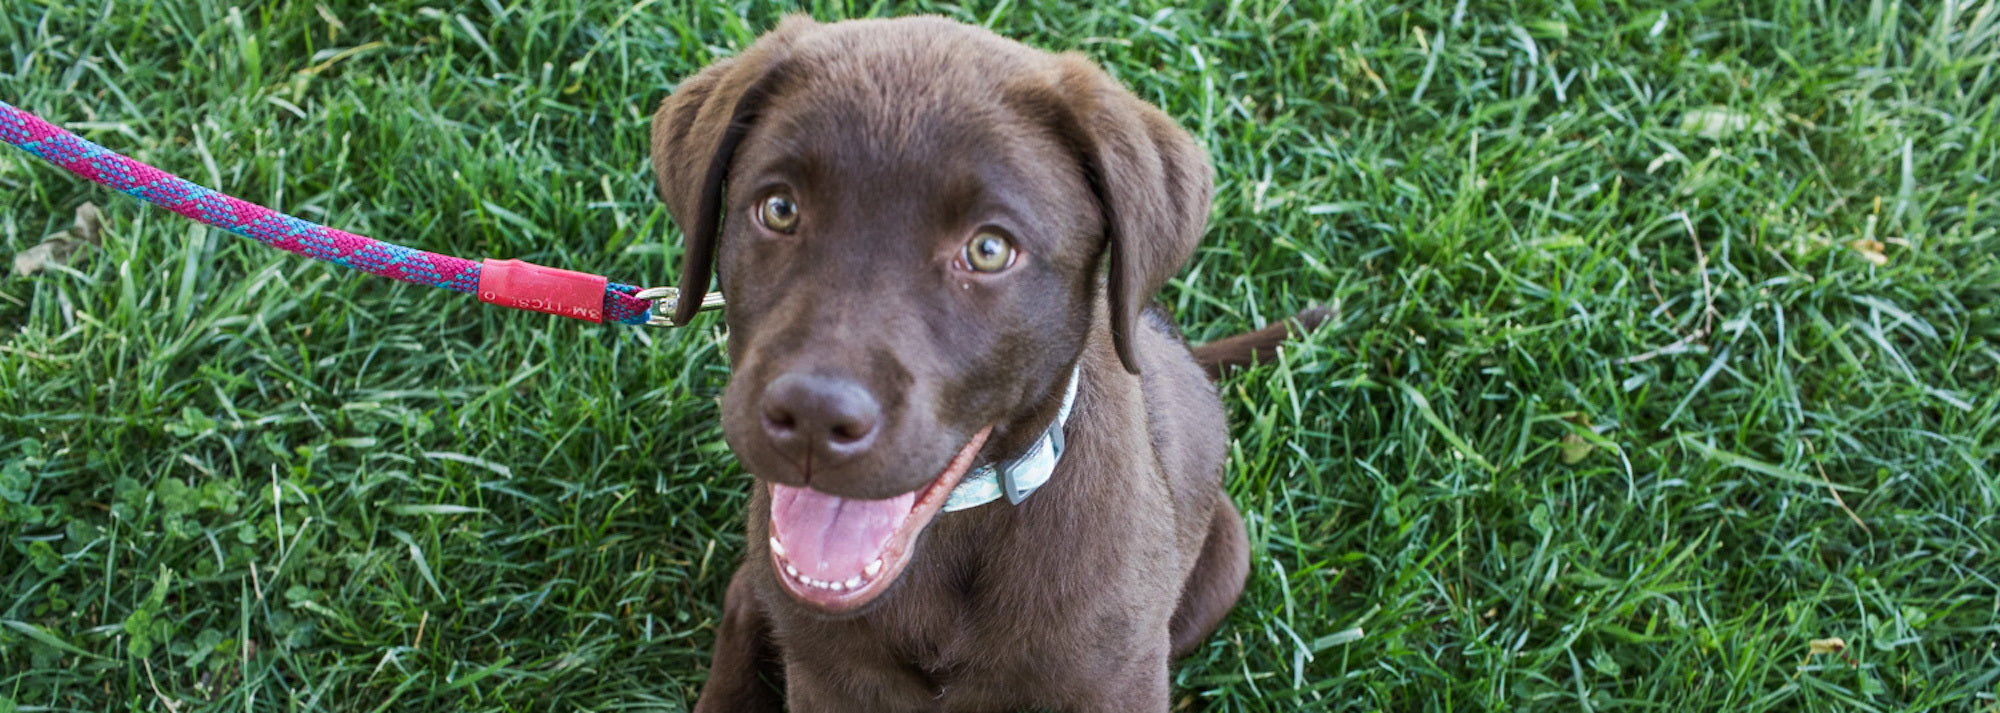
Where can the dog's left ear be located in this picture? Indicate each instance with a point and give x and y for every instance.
(1153, 184)
(695, 134)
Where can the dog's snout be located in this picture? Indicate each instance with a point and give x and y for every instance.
(809, 417)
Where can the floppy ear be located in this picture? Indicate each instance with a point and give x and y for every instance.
(1153, 184)
(695, 133)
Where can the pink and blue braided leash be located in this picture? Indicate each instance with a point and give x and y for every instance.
(89, 160)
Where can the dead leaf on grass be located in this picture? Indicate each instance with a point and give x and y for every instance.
(64, 247)
(1870, 249)
(1720, 122)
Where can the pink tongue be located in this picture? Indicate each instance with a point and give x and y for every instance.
(830, 538)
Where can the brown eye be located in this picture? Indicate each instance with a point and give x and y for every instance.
(988, 252)
(779, 213)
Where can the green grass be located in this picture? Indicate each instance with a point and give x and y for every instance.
(1608, 371)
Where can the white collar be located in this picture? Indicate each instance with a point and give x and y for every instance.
(1017, 478)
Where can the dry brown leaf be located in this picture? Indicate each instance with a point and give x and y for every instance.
(62, 247)
(1870, 249)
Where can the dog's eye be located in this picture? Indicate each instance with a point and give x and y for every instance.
(779, 213)
(988, 252)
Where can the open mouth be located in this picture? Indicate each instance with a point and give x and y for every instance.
(837, 554)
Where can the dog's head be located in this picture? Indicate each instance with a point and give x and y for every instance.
(909, 218)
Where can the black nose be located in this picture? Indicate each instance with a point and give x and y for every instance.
(811, 417)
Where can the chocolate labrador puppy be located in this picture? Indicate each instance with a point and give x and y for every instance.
(988, 472)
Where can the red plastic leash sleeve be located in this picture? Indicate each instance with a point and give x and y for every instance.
(536, 288)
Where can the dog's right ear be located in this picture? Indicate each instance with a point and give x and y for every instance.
(695, 133)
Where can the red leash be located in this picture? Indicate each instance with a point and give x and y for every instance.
(508, 283)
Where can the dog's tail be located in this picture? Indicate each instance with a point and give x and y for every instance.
(1261, 346)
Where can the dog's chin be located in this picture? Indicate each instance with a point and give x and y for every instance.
(836, 555)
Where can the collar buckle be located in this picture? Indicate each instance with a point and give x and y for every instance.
(1018, 478)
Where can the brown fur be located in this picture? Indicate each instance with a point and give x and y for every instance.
(898, 139)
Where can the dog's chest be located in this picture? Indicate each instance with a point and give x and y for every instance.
(941, 627)
(956, 635)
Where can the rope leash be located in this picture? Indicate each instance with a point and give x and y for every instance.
(508, 283)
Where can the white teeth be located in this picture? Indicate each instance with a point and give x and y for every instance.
(776, 548)
(854, 583)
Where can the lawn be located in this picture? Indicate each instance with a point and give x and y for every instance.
(1666, 343)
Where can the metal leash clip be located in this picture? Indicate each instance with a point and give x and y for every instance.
(667, 299)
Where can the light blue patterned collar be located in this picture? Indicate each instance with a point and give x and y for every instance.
(1017, 478)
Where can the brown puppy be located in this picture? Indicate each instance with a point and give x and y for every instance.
(917, 221)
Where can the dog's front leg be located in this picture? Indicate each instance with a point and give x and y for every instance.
(742, 674)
